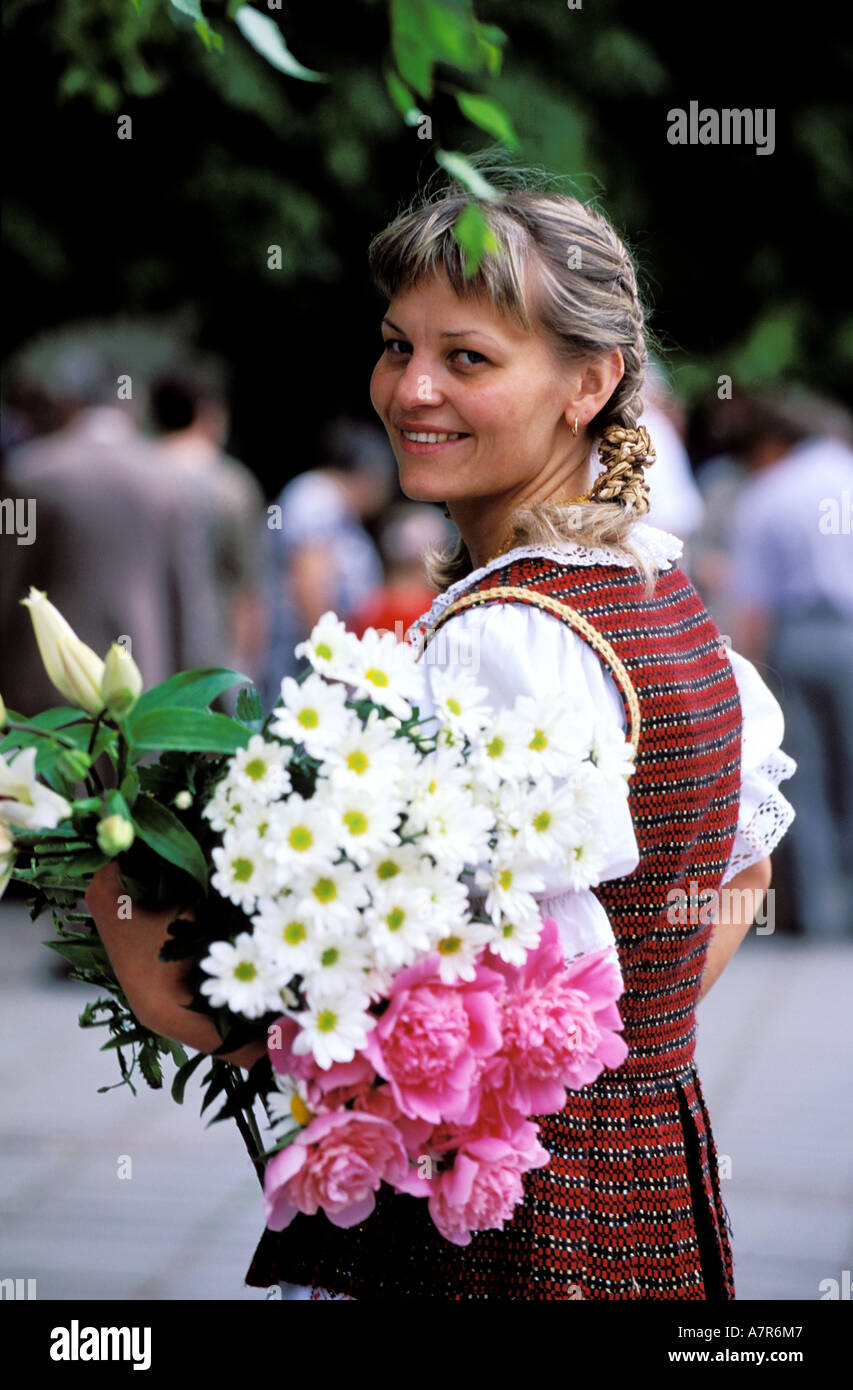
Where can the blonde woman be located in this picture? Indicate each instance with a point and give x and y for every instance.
(513, 397)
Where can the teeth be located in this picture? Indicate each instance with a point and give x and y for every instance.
(429, 438)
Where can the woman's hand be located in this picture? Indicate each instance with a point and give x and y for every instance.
(156, 990)
(741, 899)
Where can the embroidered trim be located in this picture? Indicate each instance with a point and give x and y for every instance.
(661, 546)
(769, 821)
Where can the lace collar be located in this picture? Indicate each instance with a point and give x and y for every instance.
(662, 547)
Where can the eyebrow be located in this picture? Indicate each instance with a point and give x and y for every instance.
(450, 332)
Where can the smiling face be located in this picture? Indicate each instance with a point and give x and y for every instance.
(495, 395)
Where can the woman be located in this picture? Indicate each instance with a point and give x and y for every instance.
(513, 396)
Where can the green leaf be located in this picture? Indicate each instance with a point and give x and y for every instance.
(81, 956)
(130, 786)
(475, 236)
(187, 690)
(266, 38)
(182, 1076)
(249, 707)
(167, 836)
(488, 115)
(190, 7)
(402, 98)
(188, 731)
(137, 1035)
(462, 169)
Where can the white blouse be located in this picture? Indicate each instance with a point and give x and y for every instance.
(517, 649)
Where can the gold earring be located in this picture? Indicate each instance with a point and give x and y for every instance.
(575, 428)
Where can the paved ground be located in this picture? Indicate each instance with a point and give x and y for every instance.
(774, 1050)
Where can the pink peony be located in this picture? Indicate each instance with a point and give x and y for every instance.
(431, 1040)
(483, 1188)
(558, 1025)
(337, 1162)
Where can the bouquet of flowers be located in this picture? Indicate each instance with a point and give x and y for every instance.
(358, 885)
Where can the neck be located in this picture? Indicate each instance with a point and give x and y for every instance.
(485, 523)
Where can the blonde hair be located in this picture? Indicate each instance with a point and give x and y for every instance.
(562, 266)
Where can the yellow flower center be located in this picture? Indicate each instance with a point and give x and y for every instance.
(538, 741)
(294, 932)
(508, 928)
(242, 870)
(301, 837)
(450, 945)
(355, 822)
(327, 1021)
(324, 651)
(357, 762)
(376, 676)
(245, 971)
(395, 918)
(387, 869)
(298, 1109)
(330, 956)
(542, 821)
(505, 879)
(308, 718)
(256, 769)
(495, 748)
(454, 706)
(325, 890)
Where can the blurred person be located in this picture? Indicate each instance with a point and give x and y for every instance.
(114, 542)
(675, 502)
(320, 555)
(410, 531)
(792, 587)
(189, 412)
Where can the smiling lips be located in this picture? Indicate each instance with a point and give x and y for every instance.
(418, 441)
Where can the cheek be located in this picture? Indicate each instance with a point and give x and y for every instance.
(380, 388)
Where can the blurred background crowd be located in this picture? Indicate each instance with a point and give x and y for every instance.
(147, 528)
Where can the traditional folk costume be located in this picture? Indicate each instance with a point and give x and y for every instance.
(629, 1206)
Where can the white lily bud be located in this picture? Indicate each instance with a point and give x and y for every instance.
(2, 713)
(183, 800)
(7, 856)
(115, 834)
(71, 666)
(121, 686)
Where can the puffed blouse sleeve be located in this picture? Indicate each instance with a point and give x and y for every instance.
(764, 814)
(515, 649)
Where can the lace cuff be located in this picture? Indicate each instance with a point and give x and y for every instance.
(764, 820)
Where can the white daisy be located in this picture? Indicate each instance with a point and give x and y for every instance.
(399, 923)
(366, 826)
(513, 939)
(459, 951)
(456, 829)
(225, 806)
(459, 704)
(585, 861)
(613, 754)
(330, 648)
(332, 897)
(400, 862)
(259, 771)
(509, 887)
(283, 934)
(384, 670)
(450, 904)
(335, 966)
(242, 870)
(287, 1106)
(301, 837)
(553, 818)
(369, 755)
(253, 818)
(555, 744)
(503, 750)
(241, 980)
(333, 1030)
(314, 713)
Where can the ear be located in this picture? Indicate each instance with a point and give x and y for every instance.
(596, 383)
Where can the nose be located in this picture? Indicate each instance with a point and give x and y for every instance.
(416, 385)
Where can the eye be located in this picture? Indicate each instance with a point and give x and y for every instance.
(469, 352)
(396, 347)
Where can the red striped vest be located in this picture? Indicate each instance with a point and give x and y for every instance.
(629, 1206)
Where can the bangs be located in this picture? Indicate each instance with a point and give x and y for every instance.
(421, 244)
